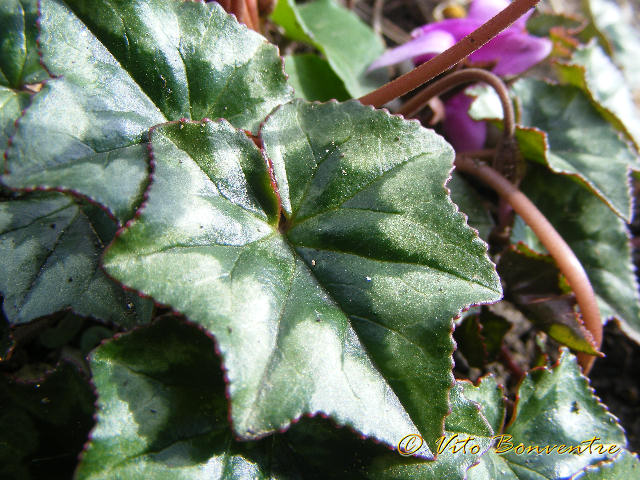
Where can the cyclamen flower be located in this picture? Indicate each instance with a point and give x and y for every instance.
(511, 52)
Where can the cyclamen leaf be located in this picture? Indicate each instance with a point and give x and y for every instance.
(19, 61)
(284, 302)
(554, 407)
(465, 420)
(618, 35)
(591, 70)
(122, 67)
(598, 238)
(479, 337)
(51, 249)
(58, 406)
(11, 105)
(313, 79)
(560, 128)
(470, 203)
(533, 286)
(349, 45)
(622, 467)
(167, 380)
(162, 413)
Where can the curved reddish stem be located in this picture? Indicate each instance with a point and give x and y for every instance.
(449, 57)
(469, 75)
(566, 260)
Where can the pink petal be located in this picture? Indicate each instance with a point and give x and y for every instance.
(483, 10)
(464, 133)
(433, 42)
(458, 27)
(514, 52)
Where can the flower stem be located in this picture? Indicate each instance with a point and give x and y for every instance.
(469, 75)
(447, 59)
(566, 260)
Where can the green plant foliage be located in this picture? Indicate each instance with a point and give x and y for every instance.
(348, 44)
(44, 424)
(534, 287)
(559, 127)
(598, 238)
(464, 421)
(543, 23)
(51, 247)
(617, 35)
(623, 466)
(19, 62)
(591, 70)
(285, 301)
(479, 337)
(554, 407)
(162, 412)
(122, 82)
(470, 203)
(312, 78)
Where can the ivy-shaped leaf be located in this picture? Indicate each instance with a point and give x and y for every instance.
(479, 337)
(349, 45)
(618, 35)
(162, 412)
(44, 424)
(51, 248)
(591, 70)
(554, 408)
(599, 239)
(465, 421)
(19, 61)
(341, 306)
(471, 204)
(624, 466)
(121, 67)
(313, 79)
(559, 127)
(533, 285)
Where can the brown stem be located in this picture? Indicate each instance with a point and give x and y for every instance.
(447, 59)
(566, 260)
(469, 75)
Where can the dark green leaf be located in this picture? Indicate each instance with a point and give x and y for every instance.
(51, 256)
(11, 105)
(618, 35)
(554, 408)
(598, 238)
(363, 251)
(44, 424)
(162, 413)
(542, 24)
(19, 61)
(349, 45)
(6, 339)
(559, 127)
(464, 424)
(479, 337)
(470, 203)
(591, 70)
(623, 467)
(533, 285)
(63, 332)
(122, 67)
(312, 78)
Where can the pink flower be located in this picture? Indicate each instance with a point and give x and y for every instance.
(511, 52)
